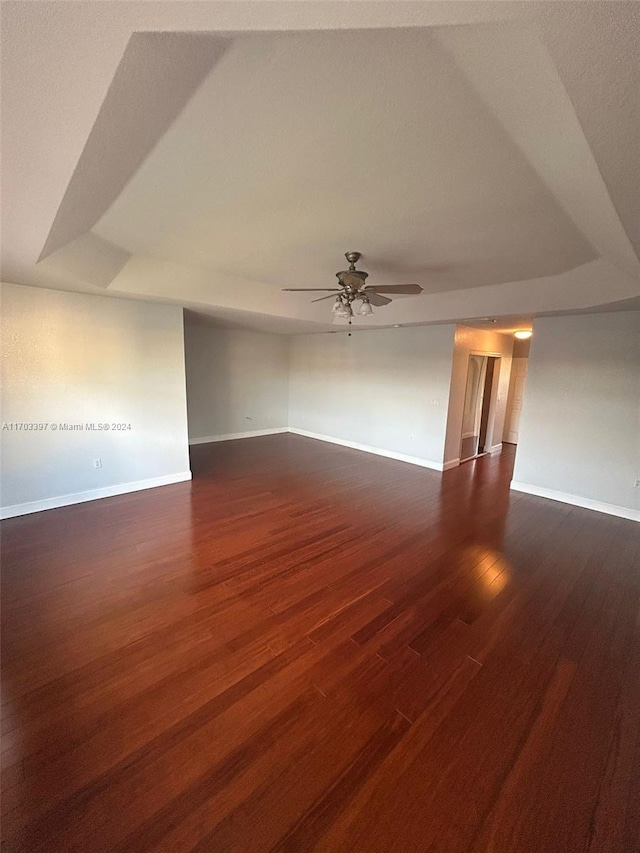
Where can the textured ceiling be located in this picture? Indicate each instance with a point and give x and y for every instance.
(488, 151)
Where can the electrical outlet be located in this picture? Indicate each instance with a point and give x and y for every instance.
(637, 483)
(97, 463)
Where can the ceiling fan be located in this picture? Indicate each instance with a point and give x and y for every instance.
(353, 287)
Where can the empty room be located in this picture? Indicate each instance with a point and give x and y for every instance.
(320, 437)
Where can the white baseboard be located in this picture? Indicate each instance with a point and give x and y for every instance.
(367, 448)
(93, 494)
(232, 436)
(576, 500)
(452, 463)
(497, 448)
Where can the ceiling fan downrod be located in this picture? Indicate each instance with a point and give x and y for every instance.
(352, 258)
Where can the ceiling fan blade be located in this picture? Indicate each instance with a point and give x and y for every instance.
(395, 288)
(309, 289)
(330, 296)
(377, 299)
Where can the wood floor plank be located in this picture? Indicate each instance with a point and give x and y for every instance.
(311, 648)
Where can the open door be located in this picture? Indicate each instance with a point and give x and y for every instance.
(472, 412)
(516, 396)
(476, 418)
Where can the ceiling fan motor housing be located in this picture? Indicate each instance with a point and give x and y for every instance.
(361, 274)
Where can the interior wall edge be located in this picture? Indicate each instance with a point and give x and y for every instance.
(576, 500)
(452, 463)
(233, 436)
(367, 448)
(93, 494)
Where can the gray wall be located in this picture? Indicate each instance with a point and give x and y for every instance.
(580, 425)
(76, 358)
(237, 381)
(386, 389)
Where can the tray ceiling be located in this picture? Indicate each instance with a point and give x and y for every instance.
(460, 152)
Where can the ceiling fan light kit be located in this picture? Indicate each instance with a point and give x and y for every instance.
(353, 288)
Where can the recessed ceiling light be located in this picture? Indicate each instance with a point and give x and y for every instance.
(523, 334)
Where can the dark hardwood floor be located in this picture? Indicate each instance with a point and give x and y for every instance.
(310, 648)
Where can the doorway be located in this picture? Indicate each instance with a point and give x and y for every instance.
(482, 381)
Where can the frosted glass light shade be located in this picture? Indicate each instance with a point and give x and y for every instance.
(523, 334)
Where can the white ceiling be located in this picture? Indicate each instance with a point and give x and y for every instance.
(211, 154)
